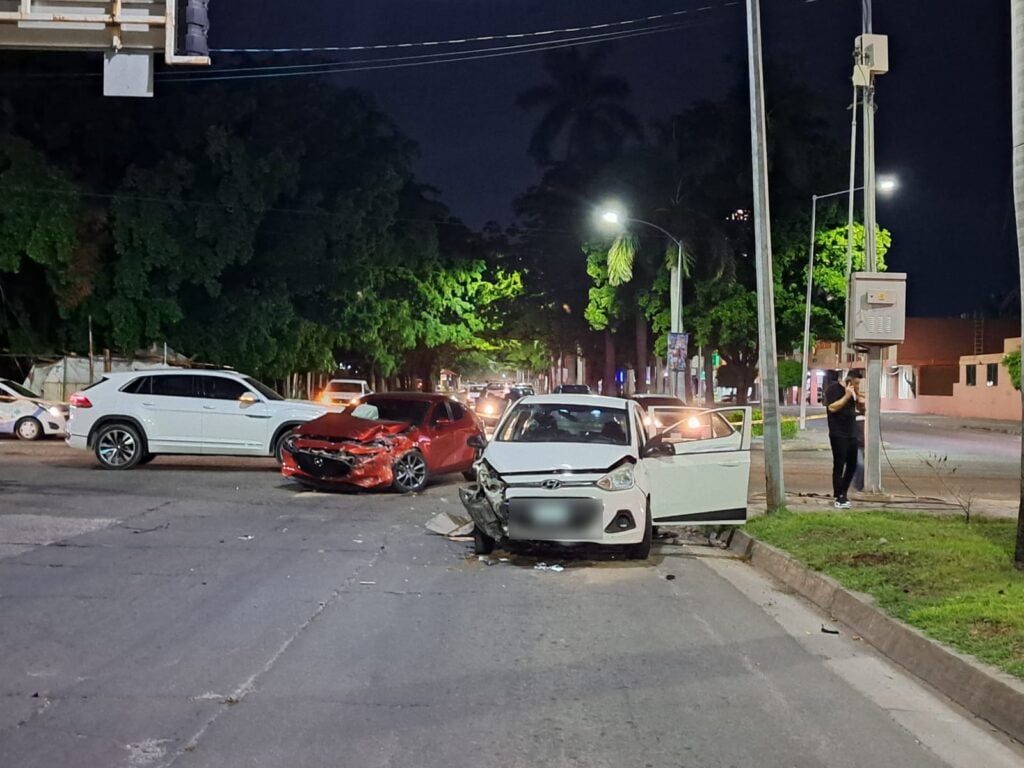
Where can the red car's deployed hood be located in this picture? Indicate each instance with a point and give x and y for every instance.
(347, 427)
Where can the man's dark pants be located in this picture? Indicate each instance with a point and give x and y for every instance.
(844, 464)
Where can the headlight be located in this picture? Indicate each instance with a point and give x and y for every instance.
(619, 479)
(488, 408)
(693, 423)
(55, 411)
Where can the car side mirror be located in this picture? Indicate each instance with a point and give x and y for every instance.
(476, 442)
(247, 399)
(658, 448)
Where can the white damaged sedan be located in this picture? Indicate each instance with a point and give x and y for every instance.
(578, 469)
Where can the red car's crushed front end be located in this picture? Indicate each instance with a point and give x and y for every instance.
(339, 449)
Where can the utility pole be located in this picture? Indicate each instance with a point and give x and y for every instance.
(873, 427)
(774, 484)
(1017, 90)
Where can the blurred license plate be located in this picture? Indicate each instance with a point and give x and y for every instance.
(550, 513)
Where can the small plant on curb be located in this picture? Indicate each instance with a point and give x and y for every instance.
(944, 472)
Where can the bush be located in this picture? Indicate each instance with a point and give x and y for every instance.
(1012, 364)
(789, 427)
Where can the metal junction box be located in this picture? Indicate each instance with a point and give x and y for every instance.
(877, 309)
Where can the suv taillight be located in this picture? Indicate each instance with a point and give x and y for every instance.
(78, 400)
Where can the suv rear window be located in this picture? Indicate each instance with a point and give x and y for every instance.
(139, 386)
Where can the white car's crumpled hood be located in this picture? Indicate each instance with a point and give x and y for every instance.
(553, 457)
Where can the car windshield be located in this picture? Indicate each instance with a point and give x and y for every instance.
(344, 386)
(20, 390)
(395, 409)
(263, 389)
(563, 423)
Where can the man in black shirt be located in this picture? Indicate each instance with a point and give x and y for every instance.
(843, 403)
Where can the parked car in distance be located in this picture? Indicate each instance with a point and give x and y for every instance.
(128, 418)
(571, 389)
(27, 415)
(399, 440)
(491, 403)
(584, 469)
(473, 392)
(517, 391)
(343, 391)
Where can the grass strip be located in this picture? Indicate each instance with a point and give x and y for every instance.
(952, 580)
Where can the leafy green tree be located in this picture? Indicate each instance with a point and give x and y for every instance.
(40, 268)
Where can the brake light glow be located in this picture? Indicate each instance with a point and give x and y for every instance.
(78, 400)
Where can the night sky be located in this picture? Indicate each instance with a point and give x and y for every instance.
(943, 122)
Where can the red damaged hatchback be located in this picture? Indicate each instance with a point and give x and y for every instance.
(397, 440)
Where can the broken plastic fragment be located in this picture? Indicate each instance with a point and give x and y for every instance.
(545, 567)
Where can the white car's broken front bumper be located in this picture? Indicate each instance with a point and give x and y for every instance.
(574, 511)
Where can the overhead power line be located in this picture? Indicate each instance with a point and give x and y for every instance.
(400, 62)
(484, 38)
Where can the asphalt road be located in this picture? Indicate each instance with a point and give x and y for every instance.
(207, 613)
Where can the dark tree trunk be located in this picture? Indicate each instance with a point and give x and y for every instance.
(641, 352)
(609, 364)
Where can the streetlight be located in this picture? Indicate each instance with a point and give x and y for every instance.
(887, 185)
(618, 218)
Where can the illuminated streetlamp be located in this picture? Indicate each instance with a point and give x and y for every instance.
(886, 185)
(616, 217)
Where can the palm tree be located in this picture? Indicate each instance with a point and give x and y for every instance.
(1017, 25)
(584, 109)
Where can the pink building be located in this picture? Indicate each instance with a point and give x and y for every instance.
(953, 367)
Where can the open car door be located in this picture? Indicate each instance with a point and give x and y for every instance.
(704, 479)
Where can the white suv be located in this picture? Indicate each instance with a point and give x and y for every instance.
(344, 391)
(129, 418)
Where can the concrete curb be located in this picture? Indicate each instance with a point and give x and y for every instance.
(983, 691)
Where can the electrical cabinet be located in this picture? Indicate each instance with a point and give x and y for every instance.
(876, 309)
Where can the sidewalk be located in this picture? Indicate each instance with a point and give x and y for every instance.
(980, 476)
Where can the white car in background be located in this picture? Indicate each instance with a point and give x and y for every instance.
(25, 414)
(584, 469)
(343, 391)
(129, 418)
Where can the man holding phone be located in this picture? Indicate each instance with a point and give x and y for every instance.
(843, 402)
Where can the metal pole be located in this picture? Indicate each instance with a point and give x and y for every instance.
(92, 365)
(686, 357)
(1017, 90)
(872, 426)
(807, 313)
(774, 482)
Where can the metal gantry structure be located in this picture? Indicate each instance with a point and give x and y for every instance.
(128, 32)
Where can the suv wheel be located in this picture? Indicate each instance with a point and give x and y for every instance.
(118, 446)
(279, 445)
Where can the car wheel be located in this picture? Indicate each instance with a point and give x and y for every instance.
(279, 445)
(118, 446)
(642, 550)
(482, 543)
(147, 458)
(410, 472)
(28, 429)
